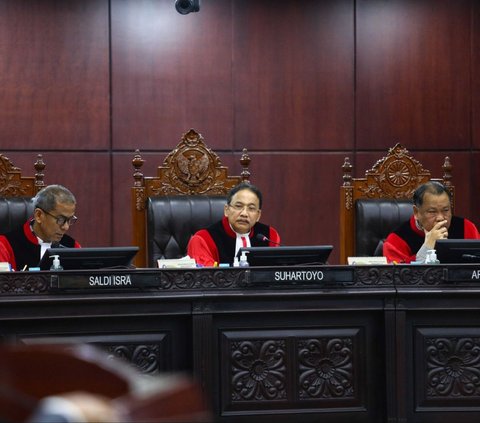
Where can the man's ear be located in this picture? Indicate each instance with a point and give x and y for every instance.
(258, 216)
(37, 214)
(415, 211)
(225, 208)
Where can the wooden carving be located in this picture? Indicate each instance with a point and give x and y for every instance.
(395, 176)
(13, 184)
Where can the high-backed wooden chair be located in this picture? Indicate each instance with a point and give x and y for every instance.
(16, 192)
(187, 194)
(373, 206)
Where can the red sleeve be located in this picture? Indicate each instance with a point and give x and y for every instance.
(6, 253)
(470, 230)
(202, 248)
(274, 237)
(395, 249)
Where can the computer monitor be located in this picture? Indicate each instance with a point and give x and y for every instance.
(287, 256)
(458, 250)
(90, 258)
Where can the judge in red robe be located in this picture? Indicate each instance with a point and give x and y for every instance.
(54, 213)
(240, 227)
(431, 220)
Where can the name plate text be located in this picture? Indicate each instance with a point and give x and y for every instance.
(300, 276)
(103, 281)
(470, 274)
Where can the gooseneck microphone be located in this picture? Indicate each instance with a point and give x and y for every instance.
(263, 238)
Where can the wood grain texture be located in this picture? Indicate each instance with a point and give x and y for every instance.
(172, 72)
(293, 74)
(54, 74)
(300, 84)
(413, 73)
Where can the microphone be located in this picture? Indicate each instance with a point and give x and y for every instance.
(58, 245)
(261, 237)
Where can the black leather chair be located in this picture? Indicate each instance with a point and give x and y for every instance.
(375, 220)
(14, 212)
(172, 220)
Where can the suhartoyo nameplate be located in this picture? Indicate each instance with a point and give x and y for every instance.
(289, 276)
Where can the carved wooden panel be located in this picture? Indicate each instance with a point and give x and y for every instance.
(294, 369)
(448, 362)
(13, 184)
(190, 168)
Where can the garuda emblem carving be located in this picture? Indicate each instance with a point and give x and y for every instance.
(193, 166)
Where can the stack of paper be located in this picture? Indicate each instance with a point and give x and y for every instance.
(181, 263)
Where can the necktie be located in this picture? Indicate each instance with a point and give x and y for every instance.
(244, 241)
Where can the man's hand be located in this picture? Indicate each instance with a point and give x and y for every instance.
(439, 231)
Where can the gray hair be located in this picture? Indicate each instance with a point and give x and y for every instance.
(49, 196)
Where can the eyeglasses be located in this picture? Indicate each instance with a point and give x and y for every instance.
(240, 207)
(61, 220)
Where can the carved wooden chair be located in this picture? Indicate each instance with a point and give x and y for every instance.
(187, 194)
(373, 206)
(17, 192)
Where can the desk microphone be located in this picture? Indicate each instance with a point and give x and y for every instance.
(261, 237)
(57, 245)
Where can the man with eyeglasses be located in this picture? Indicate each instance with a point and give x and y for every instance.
(240, 227)
(54, 213)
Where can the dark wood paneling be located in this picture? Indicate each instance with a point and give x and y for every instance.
(54, 74)
(87, 175)
(267, 75)
(171, 73)
(413, 73)
(476, 74)
(293, 74)
(301, 193)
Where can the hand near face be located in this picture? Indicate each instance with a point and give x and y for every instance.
(439, 231)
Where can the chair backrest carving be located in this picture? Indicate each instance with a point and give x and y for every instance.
(13, 184)
(191, 169)
(17, 191)
(393, 179)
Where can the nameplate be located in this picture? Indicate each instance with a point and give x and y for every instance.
(300, 276)
(470, 274)
(103, 281)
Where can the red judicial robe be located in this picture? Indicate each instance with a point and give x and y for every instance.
(401, 246)
(217, 242)
(20, 247)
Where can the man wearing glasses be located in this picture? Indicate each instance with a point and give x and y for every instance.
(240, 227)
(54, 213)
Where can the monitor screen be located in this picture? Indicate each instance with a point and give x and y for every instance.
(90, 258)
(458, 250)
(287, 256)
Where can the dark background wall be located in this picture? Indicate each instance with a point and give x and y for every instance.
(301, 84)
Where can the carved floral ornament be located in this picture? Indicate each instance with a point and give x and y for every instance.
(453, 367)
(396, 175)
